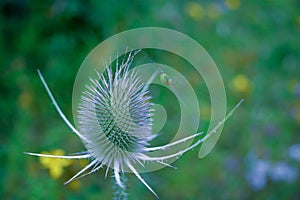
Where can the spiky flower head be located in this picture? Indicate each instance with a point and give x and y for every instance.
(115, 116)
(115, 124)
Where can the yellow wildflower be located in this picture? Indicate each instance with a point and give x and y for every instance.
(55, 165)
(194, 10)
(241, 84)
(233, 4)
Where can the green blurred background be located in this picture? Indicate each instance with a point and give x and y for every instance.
(256, 46)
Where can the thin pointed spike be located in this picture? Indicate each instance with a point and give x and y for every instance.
(179, 153)
(86, 174)
(79, 153)
(141, 179)
(117, 177)
(117, 60)
(81, 171)
(107, 167)
(173, 143)
(56, 156)
(166, 164)
(58, 108)
(226, 117)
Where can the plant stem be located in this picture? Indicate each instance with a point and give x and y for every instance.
(120, 192)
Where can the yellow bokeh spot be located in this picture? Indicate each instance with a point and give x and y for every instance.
(194, 10)
(55, 165)
(296, 112)
(213, 11)
(291, 85)
(205, 112)
(298, 20)
(233, 4)
(241, 84)
(83, 162)
(25, 100)
(74, 185)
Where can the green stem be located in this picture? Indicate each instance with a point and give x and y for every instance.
(120, 192)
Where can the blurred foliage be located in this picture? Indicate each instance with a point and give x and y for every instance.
(255, 44)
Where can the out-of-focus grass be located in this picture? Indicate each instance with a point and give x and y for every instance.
(255, 45)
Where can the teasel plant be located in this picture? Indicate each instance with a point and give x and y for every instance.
(115, 126)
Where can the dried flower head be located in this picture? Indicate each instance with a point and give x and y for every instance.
(115, 124)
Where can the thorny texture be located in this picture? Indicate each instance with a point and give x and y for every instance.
(115, 124)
